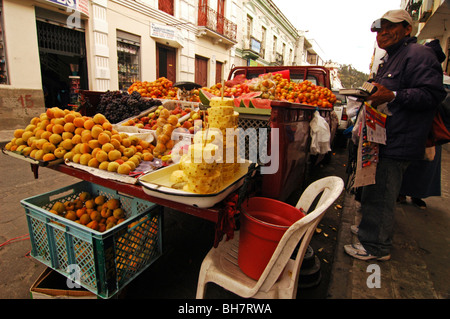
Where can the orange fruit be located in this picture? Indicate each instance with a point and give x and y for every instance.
(57, 128)
(80, 212)
(95, 215)
(93, 225)
(88, 124)
(71, 215)
(69, 127)
(103, 138)
(78, 122)
(85, 219)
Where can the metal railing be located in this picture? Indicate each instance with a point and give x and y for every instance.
(216, 22)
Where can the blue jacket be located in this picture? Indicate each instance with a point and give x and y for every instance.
(413, 71)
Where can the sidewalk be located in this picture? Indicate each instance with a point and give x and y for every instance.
(418, 268)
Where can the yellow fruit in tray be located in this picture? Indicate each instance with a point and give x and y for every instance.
(112, 167)
(78, 122)
(18, 133)
(114, 155)
(103, 165)
(48, 157)
(96, 130)
(108, 147)
(93, 162)
(67, 144)
(131, 164)
(69, 117)
(26, 135)
(85, 158)
(99, 118)
(67, 135)
(60, 152)
(69, 127)
(68, 156)
(48, 147)
(76, 158)
(104, 138)
(57, 129)
(88, 123)
(101, 156)
(55, 138)
(124, 169)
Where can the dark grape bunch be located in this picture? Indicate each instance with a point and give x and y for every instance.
(118, 106)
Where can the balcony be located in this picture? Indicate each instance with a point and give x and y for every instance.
(215, 25)
(252, 48)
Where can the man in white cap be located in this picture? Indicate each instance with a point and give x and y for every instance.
(409, 80)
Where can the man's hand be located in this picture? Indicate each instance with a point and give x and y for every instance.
(382, 95)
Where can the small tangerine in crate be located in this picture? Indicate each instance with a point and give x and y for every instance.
(85, 219)
(84, 196)
(100, 200)
(113, 203)
(119, 213)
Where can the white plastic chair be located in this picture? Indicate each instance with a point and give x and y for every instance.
(220, 265)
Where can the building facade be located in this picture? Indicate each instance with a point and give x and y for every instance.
(50, 48)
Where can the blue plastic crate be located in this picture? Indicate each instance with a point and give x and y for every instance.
(101, 262)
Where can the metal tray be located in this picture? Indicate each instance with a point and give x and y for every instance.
(32, 160)
(158, 184)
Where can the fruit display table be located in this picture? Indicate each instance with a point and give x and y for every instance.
(211, 214)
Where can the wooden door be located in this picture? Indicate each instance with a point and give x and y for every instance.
(166, 62)
(219, 77)
(201, 71)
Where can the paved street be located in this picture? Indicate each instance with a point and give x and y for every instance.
(418, 269)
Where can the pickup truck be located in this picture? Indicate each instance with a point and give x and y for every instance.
(292, 120)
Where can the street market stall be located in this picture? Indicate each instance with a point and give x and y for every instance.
(148, 169)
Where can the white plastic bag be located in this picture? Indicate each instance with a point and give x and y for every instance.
(320, 135)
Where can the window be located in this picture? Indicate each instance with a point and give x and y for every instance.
(166, 6)
(249, 27)
(274, 49)
(128, 60)
(263, 42)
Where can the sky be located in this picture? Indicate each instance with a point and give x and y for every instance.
(340, 28)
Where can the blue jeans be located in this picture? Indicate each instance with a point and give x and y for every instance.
(378, 207)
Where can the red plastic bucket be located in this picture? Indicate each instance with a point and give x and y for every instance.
(263, 223)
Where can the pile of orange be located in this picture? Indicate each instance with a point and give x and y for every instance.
(91, 141)
(162, 88)
(97, 213)
(305, 93)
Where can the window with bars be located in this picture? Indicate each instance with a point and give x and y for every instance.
(60, 40)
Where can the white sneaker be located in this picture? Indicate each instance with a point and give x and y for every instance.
(359, 252)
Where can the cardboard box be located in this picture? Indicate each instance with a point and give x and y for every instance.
(52, 285)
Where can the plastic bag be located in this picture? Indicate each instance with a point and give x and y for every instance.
(320, 135)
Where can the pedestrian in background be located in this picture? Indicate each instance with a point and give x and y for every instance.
(422, 179)
(409, 80)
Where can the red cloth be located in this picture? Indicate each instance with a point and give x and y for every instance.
(226, 224)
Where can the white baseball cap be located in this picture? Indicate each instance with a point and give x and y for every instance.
(395, 16)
